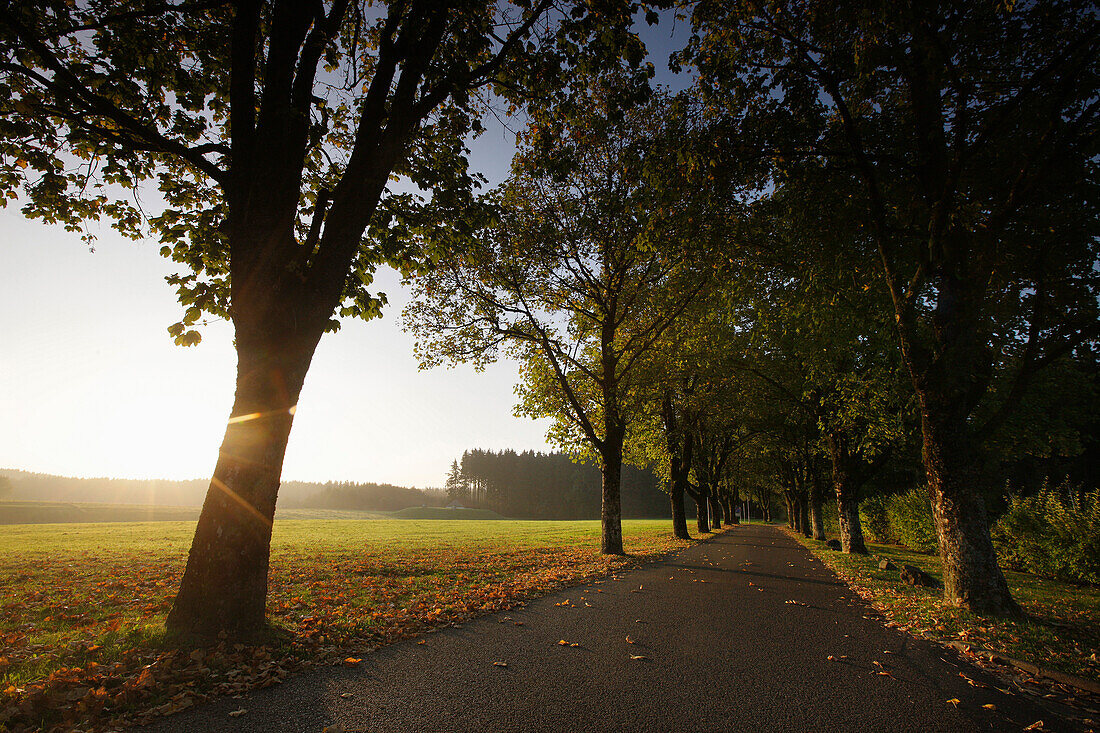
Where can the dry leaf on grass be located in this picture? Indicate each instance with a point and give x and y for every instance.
(237, 713)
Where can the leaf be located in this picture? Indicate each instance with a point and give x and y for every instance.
(954, 701)
(237, 713)
(637, 657)
(500, 664)
(1037, 725)
(351, 661)
(989, 706)
(629, 640)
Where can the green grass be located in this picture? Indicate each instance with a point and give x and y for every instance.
(1062, 628)
(82, 606)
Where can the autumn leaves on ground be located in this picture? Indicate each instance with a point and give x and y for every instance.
(82, 607)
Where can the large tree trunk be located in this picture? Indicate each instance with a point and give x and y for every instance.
(611, 522)
(950, 381)
(679, 512)
(733, 503)
(224, 587)
(972, 578)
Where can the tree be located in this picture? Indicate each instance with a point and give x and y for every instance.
(6, 487)
(968, 133)
(273, 128)
(586, 264)
(456, 487)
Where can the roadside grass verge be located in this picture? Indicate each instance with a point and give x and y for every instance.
(82, 606)
(1062, 631)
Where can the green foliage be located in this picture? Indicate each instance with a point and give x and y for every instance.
(874, 516)
(1055, 533)
(910, 520)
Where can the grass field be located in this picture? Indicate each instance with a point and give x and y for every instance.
(82, 606)
(1062, 631)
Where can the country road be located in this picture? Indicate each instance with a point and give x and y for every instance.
(734, 634)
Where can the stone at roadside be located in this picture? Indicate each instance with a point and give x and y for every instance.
(833, 545)
(884, 564)
(914, 576)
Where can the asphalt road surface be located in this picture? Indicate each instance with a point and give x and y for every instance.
(734, 634)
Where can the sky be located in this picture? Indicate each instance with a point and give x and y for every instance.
(92, 385)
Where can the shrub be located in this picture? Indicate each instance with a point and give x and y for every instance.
(910, 520)
(875, 520)
(1055, 533)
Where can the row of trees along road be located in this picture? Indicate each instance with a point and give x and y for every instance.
(862, 223)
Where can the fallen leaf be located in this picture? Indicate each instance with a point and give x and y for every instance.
(638, 656)
(500, 664)
(629, 640)
(831, 658)
(421, 642)
(954, 701)
(351, 662)
(346, 695)
(1037, 725)
(989, 706)
(237, 713)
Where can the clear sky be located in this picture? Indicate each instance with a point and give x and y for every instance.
(92, 385)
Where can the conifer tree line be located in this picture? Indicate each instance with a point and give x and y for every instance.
(531, 485)
(859, 251)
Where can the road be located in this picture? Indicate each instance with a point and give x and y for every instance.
(733, 634)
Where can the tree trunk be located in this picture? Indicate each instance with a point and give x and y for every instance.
(950, 377)
(715, 511)
(804, 507)
(851, 531)
(972, 578)
(817, 500)
(679, 513)
(224, 586)
(611, 523)
(702, 516)
(733, 503)
(847, 495)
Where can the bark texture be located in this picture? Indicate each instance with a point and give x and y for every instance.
(224, 586)
(972, 577)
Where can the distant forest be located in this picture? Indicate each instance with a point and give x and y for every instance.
(533, 485)
(26, 486)
(522, 485)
